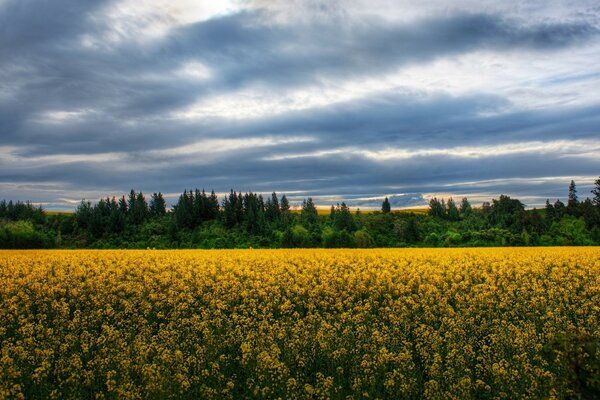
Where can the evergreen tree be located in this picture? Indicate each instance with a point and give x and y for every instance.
(596, 193)
(158, 206)
(343, 218)
(309, 215)
(238, 209)
(573, 202)
(436, 208)
(507, 213)
(332, 214)
(140, 212)
(452, 212)
(550, 214)
(385, 206)
(83, 214)
(590, 214)
(117, 217)
(131, 201)
(228, 210)
(183, 210)
(123, 205)
(272, 209)
(559, 210)
(213, 206)
(285, 216)
(465, 208)
(253, 213)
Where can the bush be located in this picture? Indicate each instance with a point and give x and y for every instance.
(22, 235)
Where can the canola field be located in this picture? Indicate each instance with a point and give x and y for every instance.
(508, 323)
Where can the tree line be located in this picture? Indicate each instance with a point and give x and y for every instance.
(240, 220)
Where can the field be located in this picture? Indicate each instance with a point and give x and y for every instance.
(300, 324)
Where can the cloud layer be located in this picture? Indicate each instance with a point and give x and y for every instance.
(336, 100)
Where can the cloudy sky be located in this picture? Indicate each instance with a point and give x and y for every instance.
(340, 100)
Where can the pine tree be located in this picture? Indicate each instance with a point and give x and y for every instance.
(285, 211)
(131, 201)
(596, 193)
(436, 208)
(550, 214)
(141, 209)
(158, 206)
(272, 209)
(465, 208)
(386, 207)
(309, 214)
(452, 212)
(182, 211)
(123, 205)
(573, 202)
(332, 214)
(213, 206)
(343, 218)
(228, 210)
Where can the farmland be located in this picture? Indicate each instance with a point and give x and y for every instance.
(497, 323)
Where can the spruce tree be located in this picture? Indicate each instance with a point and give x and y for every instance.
(309, 214)
(285, 211)
(452, 212)
(572, 202)
(385, 206)
(436, 208)
(158, 206)
(465, 208)
(596, 193)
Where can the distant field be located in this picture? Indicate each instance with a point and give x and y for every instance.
(59, 212)
(500, 323)
(321, 211)
(327, 211)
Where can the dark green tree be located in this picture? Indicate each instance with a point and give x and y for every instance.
(573, 201)
(559, 210)
(452, 211)
(596, 193)
(436, 208)
(385, 206)
(465, 208)
(158, 205)
(309, 215)
(286, 217)
(342, 218)
(272, 209)
(550, 213)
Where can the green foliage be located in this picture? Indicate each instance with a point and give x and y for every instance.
(22, 235)
(309, 215)
(362, 239)
(298, 236)
(243, 220)
(570, 231)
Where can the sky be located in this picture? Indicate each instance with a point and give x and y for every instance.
(338, 100)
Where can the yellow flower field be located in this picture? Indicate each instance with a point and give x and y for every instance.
(301, 324)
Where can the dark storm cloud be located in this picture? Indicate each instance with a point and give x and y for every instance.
(244, 50)
(26, 25)
(68, 88)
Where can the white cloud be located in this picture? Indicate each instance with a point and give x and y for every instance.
(212, 147)
(146, 20)
(61, 116)
(560, 148)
